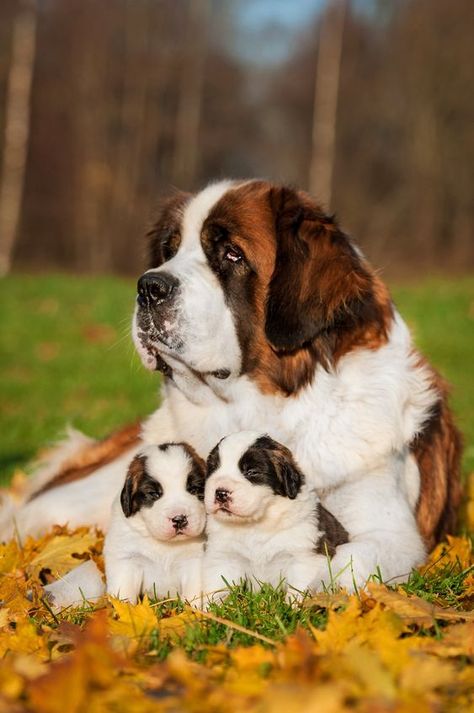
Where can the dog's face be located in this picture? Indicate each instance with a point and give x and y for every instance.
(252, 278)
(246, 471)
(164, 487)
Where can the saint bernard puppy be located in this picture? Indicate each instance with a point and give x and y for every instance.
(264, 524)
(155, 540)
(263, 315)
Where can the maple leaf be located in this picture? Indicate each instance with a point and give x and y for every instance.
(24, 638)
(9, 556)
(456, 640)
(135, 621)
(62, 552)
(14, 594)
(414, 610)
(69, 683)
(456, 551)
(132, 620)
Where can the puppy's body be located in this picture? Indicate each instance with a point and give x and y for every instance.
(137, 563)
(264, 523)
(155, 540)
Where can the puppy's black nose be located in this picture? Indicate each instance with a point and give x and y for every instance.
(222, 496)
(179, 522)
(155, 287)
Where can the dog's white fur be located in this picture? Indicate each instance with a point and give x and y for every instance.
(143, 553)
(265, 537)
(349, 429)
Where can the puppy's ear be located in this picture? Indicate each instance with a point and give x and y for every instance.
(319, 280)
(133, 482)
(196, 479)
(163, 235)
(213, 460)
(126, 497)
(287, 477)
(291, 477)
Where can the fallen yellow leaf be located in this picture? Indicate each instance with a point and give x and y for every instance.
(63, 552)
(414, 610)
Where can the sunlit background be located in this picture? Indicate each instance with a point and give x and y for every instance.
(367, 103)
(105, 105)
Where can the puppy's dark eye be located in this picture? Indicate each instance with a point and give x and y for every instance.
(253, 474)
(231, 254)
(196, 490)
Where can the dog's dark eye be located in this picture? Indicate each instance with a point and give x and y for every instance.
(196, 490)
(252, 474)
(231, 254)
(218, 233)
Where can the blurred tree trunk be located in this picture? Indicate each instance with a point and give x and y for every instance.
(128, 150)
(325, 102)
(96, 26)
(17, 129)
(190, 95)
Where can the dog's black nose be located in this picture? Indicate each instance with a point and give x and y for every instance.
(222, 496)
(155, 288)
(179, 522)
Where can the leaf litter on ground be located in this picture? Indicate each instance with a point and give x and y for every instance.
(386, 648)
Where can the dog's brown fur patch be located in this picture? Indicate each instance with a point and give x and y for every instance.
(334, 534)
(94, 456)
(308, 296)
(438, 450)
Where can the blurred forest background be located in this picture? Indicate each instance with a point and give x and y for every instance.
(106, 104)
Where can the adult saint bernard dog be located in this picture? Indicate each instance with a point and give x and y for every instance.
(262, 314)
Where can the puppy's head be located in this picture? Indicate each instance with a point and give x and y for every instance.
(164, 488)
(246, 472)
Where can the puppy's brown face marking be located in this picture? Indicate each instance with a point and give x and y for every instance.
(140, 489)
(269, 463)
(299, 291)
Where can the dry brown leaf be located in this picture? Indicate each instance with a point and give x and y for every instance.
(414, 610)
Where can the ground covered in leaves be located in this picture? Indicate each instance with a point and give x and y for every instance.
(384, 649)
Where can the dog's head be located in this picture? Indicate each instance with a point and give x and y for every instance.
(246, 471)
(252, 278)
(164, 487)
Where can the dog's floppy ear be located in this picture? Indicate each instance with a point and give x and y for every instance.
(196, 478)
(291, 478)
(319, 280)
(133, 482)
(163, 234)
(288, 478)
(213, 460)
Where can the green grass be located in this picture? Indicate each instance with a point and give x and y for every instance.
(66, 356)
(247, 616)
